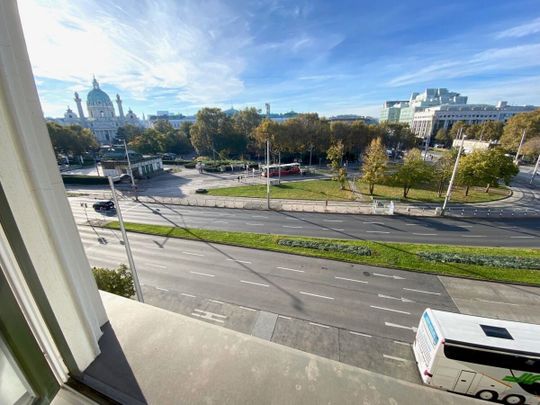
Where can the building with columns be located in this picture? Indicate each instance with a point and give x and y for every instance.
(101, 117)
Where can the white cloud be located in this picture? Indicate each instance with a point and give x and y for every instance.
(153, 44)
(496, 59)
(522, 30)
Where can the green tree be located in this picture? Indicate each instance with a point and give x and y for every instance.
(163, 126)
(128, 132)
(149, 142)
(245, 123)
(496, 166)
(177, 142)
(335, 156)
(118, 281)
(443, 169)
(71, 140)
(374, 164)
(454, 130)
(529, 121)
(491, 130)
(397, 136)
(443, 136)
(413, 172)
(185, 128)
(531, 148)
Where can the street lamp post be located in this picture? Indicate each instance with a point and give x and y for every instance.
(131, 262)
(268, 173)
(520, 145)
(535, 169)
(449, 191)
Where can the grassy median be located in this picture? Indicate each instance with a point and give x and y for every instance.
(384, 254)
(297, 190)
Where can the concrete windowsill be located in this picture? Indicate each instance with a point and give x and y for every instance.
(150, 355)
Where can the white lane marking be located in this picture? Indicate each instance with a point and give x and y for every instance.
(284, 317)
(248, 309)
(187, 295)
(216, 301)
(424, 234)
(220, 222)
(390, 309)
(254, 224)
(202, 274)
(422, 291)
(395, 325)
(351, 279)
(507, 227)
(521, 237)
(377, 232)
(474, 236)
(396, 358)
(160, 266)
(254, 283)
(374, 223)
(286, 268)
(259, 216)
(318, 324)
(332, 220)
(292, 227)
(388, 276)
(315, 295)
(208, 315)
(465, 226)
(496, 302)
(239, 261)
(162, 289)
(359, 334)
(402, 299)
(411, 225)
(333, 229)
(401, 343)
(193, 254)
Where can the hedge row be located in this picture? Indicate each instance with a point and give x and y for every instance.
(484, 260)
(81, 179)
(326, 246)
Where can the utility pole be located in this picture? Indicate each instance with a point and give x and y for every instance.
(449, 191)
(520, 145)
(133, 186)
(279, 165)
(535, 169)
(268, 173)
(126, 244)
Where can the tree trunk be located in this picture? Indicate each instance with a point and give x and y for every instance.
(405, 191)
(488, 187)
(439, 189)
(467, 191)
(371, 187)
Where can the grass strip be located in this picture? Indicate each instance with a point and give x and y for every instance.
(405, 256)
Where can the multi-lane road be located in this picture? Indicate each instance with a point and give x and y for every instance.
(509, 232)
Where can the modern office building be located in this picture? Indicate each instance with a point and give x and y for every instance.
(429, 120)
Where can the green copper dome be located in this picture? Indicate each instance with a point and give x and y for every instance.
(96, 96)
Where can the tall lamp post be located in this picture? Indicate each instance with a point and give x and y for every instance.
(520, 145)
(535, 169)
(268, 173)
(449, 191)
(131, 262)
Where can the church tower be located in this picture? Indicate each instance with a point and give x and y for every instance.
(120, 109)
(79, 106)
(100, 106)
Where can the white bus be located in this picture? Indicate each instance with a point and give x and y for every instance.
(491, 359)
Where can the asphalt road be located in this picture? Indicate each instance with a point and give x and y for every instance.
(362, 299)
(508, 232)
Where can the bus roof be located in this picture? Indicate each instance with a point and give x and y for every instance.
(488, 333)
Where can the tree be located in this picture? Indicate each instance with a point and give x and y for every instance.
(177, 142)
(531, 148)
(149, 142)
(443, 136)
(454, 130)
(245, 122)
(374, 164)
(119, 281)
(529, 121)
(443, 169)
(71, 140)
(491, 130)
(397, 136)
(163, 126)
(335, 155)
(128, 132)
(413, 171)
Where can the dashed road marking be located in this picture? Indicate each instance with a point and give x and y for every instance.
(422, 291)
(254, 224)
(374, 223)
(248, 309)
(284, 317)
(316, 295)
(521, 237)
(377, 232)
(507, 227)
(496, 302)
(254, 283)
(239, 261)
(395, 325)
(359, 334)
(351, 279)
(202, 274)
(389, 276)
(332, 220)
(389, 297)
(390, 310)
(208, 315)
(193, 254)
(216, 301)
(424, 234)
(474, 236)
(259, 216)
(289, 269)
(292, 227)
(401, 343)
(396, 358)
(318, 324)
(220, 222)
(188, 295)
(162, 289)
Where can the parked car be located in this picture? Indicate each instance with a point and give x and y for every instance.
(201, 191)
(105, 205)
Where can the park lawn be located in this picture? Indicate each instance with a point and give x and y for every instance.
(428, 193)
(384, 254)
(297, 190)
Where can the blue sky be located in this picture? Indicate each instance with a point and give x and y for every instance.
(329, 57)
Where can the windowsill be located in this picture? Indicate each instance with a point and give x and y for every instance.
(150, 355)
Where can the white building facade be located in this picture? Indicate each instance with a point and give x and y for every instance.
(101, 116)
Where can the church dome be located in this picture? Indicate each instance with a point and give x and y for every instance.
(96, 96)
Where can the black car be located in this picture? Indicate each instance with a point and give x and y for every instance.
(106, 205)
